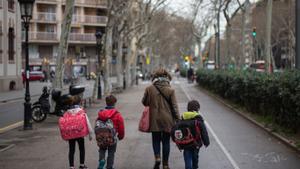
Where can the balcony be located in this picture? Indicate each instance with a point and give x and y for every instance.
(45, 17)
(97, 3)
(76, 19)
(87, 3)
(40, 36)
(47, 1)
(90, 19)
(82, 37)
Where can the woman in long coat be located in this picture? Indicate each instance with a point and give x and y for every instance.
(162, 115)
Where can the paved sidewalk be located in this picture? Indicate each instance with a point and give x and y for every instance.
(44, 148)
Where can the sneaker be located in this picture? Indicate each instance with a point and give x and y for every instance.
(83, 167)
(101, 164)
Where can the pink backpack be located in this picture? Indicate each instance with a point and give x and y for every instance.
(73, 125)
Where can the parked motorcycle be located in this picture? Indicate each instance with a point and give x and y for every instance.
(41, 108)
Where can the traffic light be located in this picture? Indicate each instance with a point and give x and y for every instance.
(254, 32)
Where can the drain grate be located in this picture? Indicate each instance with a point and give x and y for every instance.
(4, 147)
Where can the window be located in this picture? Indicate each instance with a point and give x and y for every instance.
(11, 45)
(11, 5)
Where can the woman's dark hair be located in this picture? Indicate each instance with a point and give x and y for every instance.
(193, 105)
(161, 72)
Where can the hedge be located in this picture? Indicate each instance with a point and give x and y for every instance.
(272, 95)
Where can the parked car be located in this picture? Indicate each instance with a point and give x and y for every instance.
(258, 66)
(210, 65)
(140, 74)
(34, 76)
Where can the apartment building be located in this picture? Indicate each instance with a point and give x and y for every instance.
(45, 31)
(10, 46)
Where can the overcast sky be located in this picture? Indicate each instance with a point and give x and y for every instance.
(183, 8)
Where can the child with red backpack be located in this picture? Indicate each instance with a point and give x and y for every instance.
(74, 126)
(190, 133)
(109, 129)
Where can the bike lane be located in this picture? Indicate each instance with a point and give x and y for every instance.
(246, 145)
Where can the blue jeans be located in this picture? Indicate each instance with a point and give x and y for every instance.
(191, 158)
(157, 138)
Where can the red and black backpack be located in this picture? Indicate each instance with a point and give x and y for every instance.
(187, 134)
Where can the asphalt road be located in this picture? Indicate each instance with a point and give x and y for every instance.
(241, 144)
(12, 112)
(235, 142)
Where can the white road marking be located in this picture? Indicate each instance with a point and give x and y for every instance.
(225, 151)
(10, 127)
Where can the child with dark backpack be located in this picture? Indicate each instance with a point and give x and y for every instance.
(109, 129)
(190, 134)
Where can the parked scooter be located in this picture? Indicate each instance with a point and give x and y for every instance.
(41, 108)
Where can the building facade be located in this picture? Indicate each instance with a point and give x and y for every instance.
(10, 46)
(45, 30)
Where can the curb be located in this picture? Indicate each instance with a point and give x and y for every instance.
(17, 98)
(11, 127)
(269, 131)
(21, 98)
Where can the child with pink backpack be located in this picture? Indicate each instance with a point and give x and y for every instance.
(74, 126)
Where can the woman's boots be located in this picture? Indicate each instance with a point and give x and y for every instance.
(166, 165)
(157, 162)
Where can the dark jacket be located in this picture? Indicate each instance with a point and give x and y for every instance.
(197, 116)
(161, 118)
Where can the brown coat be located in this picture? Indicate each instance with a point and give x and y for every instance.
(161, 118)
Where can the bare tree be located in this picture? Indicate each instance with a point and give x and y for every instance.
(63, 44)
(229, 27)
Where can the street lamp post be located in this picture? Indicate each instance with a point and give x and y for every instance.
(26, 15)
(98, 49)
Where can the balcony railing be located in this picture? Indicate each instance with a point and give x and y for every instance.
(46, 0)
(76, 19)
(48, 17)
(49, 36)
(95, 19)
(86, 37)
(98, 2)
(86, 2)
(40, 36)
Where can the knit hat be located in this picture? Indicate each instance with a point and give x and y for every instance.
(193, 105)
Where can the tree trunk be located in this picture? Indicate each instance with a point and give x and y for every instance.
(239, 60)
(228, 44)
(119, 61)
(95, 90)
(108, 56)
(199, 51)
(268, 36)
(133, 59)
(219, 38)
(63, 45)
